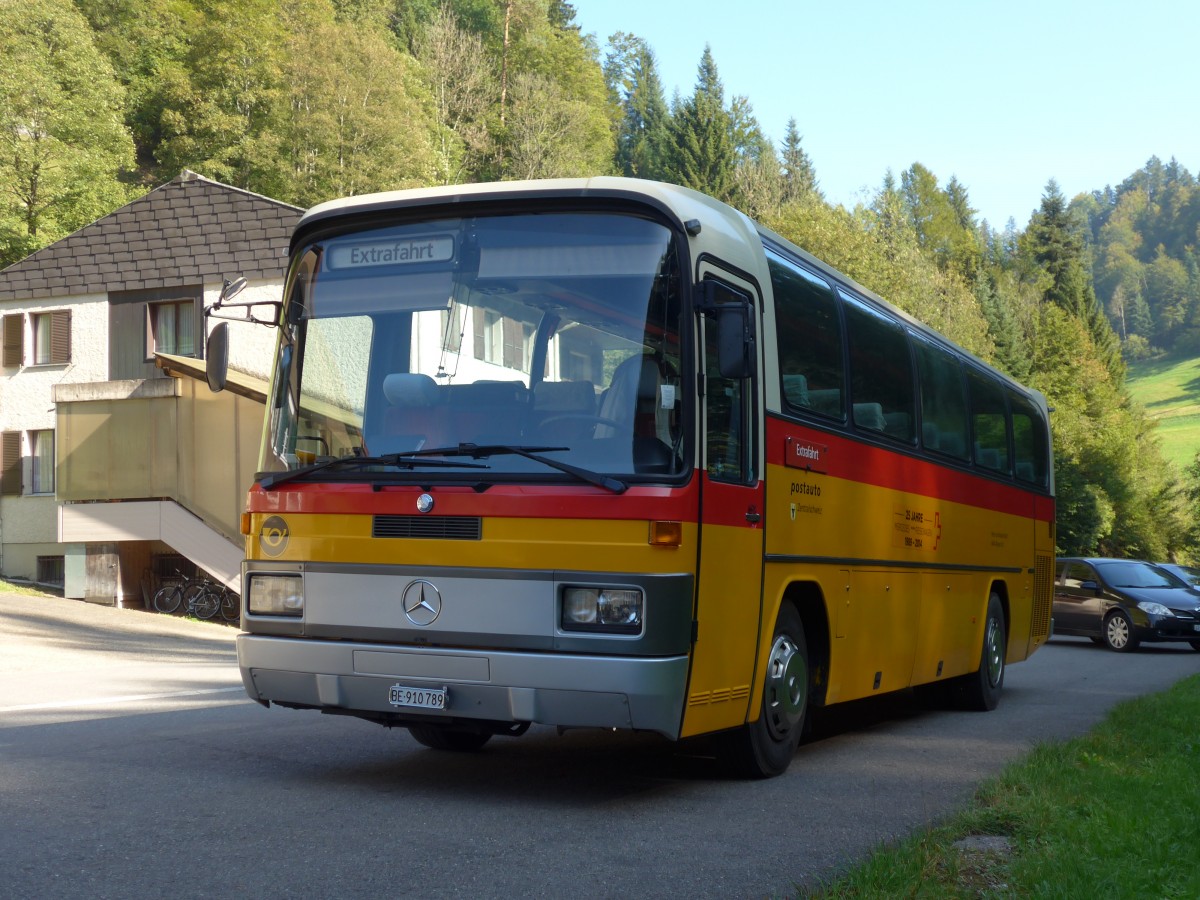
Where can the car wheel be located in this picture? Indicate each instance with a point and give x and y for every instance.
(764, 748)
(1118, 632)
(440, 737)
(981, 689)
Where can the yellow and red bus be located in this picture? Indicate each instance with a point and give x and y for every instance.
(607, 453)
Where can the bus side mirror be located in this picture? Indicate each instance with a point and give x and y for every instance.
(735, 329)
(216, 355)
(735, 343)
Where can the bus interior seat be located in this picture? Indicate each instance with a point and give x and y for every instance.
(1026, 471)
(412, 419)
(486, 411)
(564, 410)
(633, 397)
(869, 415)
(898, 425)
(930, 436)
(988, 458)
(952, 444)
(827, 401)
(795, 389)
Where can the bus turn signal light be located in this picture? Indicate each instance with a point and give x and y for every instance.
(666, 534)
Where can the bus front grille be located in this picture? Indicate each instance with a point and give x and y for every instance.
(453, 528)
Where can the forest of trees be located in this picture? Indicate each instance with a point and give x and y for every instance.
(305, 100)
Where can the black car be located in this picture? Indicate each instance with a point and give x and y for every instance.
(1119, 603)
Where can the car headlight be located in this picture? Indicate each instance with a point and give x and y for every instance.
(276, 595)
(1154, 609)
(611, 610)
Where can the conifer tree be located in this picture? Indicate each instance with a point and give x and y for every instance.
(1054, 243)
(701, 128)
(799, 176)
(632, 75)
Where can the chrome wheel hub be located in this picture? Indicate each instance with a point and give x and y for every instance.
(994, 644)
(1118, 632)
(786, 692)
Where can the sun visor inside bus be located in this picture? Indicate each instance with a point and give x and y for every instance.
(567, 260)
(345, 294)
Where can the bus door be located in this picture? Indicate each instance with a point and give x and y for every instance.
(729, 586)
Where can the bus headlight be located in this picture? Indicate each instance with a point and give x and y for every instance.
(612, 610)
(276, 595)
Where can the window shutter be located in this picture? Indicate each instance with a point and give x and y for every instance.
(10, 467)
(479, 322)
(14, 340)
(60, 336)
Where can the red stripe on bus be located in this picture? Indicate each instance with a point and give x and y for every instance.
(841, 457)
(498, 501)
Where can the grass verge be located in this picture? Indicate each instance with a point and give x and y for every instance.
(18, 587)
(1115, 813)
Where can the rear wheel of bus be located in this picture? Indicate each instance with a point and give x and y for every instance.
(764, 748)
(981, 689)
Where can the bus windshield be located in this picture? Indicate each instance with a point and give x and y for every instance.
(545, 337)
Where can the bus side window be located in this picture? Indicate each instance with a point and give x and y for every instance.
(810, 340)
(989, 422)
(881, 377)
(1030, 441)
(945, 426)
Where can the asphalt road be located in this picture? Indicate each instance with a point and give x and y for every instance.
(132, 765)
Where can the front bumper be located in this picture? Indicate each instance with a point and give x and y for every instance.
(570, 690)
(1162, 628)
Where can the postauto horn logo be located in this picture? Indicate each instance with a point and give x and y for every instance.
(273, 536)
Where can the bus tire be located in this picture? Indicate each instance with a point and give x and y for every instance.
(441, 737)
(764, 748)
(980, 691)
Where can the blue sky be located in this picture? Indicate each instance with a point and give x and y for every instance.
(1002, 95)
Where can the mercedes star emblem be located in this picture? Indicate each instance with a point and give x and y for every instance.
(422, 603)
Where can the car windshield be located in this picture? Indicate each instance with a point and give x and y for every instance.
(1129, 574)
(553, 339)
(1190, 574)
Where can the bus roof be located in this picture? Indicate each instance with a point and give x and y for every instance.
(726, 232)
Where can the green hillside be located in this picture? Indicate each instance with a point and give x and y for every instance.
(1170, 391)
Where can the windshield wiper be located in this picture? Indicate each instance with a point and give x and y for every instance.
(396, 460)
(479, 451)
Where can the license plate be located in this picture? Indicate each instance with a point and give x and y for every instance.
(422, 698)
(1196, 628)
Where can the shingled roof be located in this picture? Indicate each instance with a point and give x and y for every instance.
(190, 230)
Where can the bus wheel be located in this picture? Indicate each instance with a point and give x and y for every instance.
(981, 690)
(764, 748)
(440, 737)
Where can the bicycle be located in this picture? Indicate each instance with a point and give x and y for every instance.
(211, 598)
(231, 605)
(169, 597)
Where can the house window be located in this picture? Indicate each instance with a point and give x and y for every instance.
(172, 328)
(52, 338)
(41, 444)
(51, 570)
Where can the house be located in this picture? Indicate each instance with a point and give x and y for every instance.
(116, 467)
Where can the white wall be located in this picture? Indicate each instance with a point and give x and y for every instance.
(29, 524)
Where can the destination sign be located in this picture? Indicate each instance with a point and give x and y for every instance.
(402, 252)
